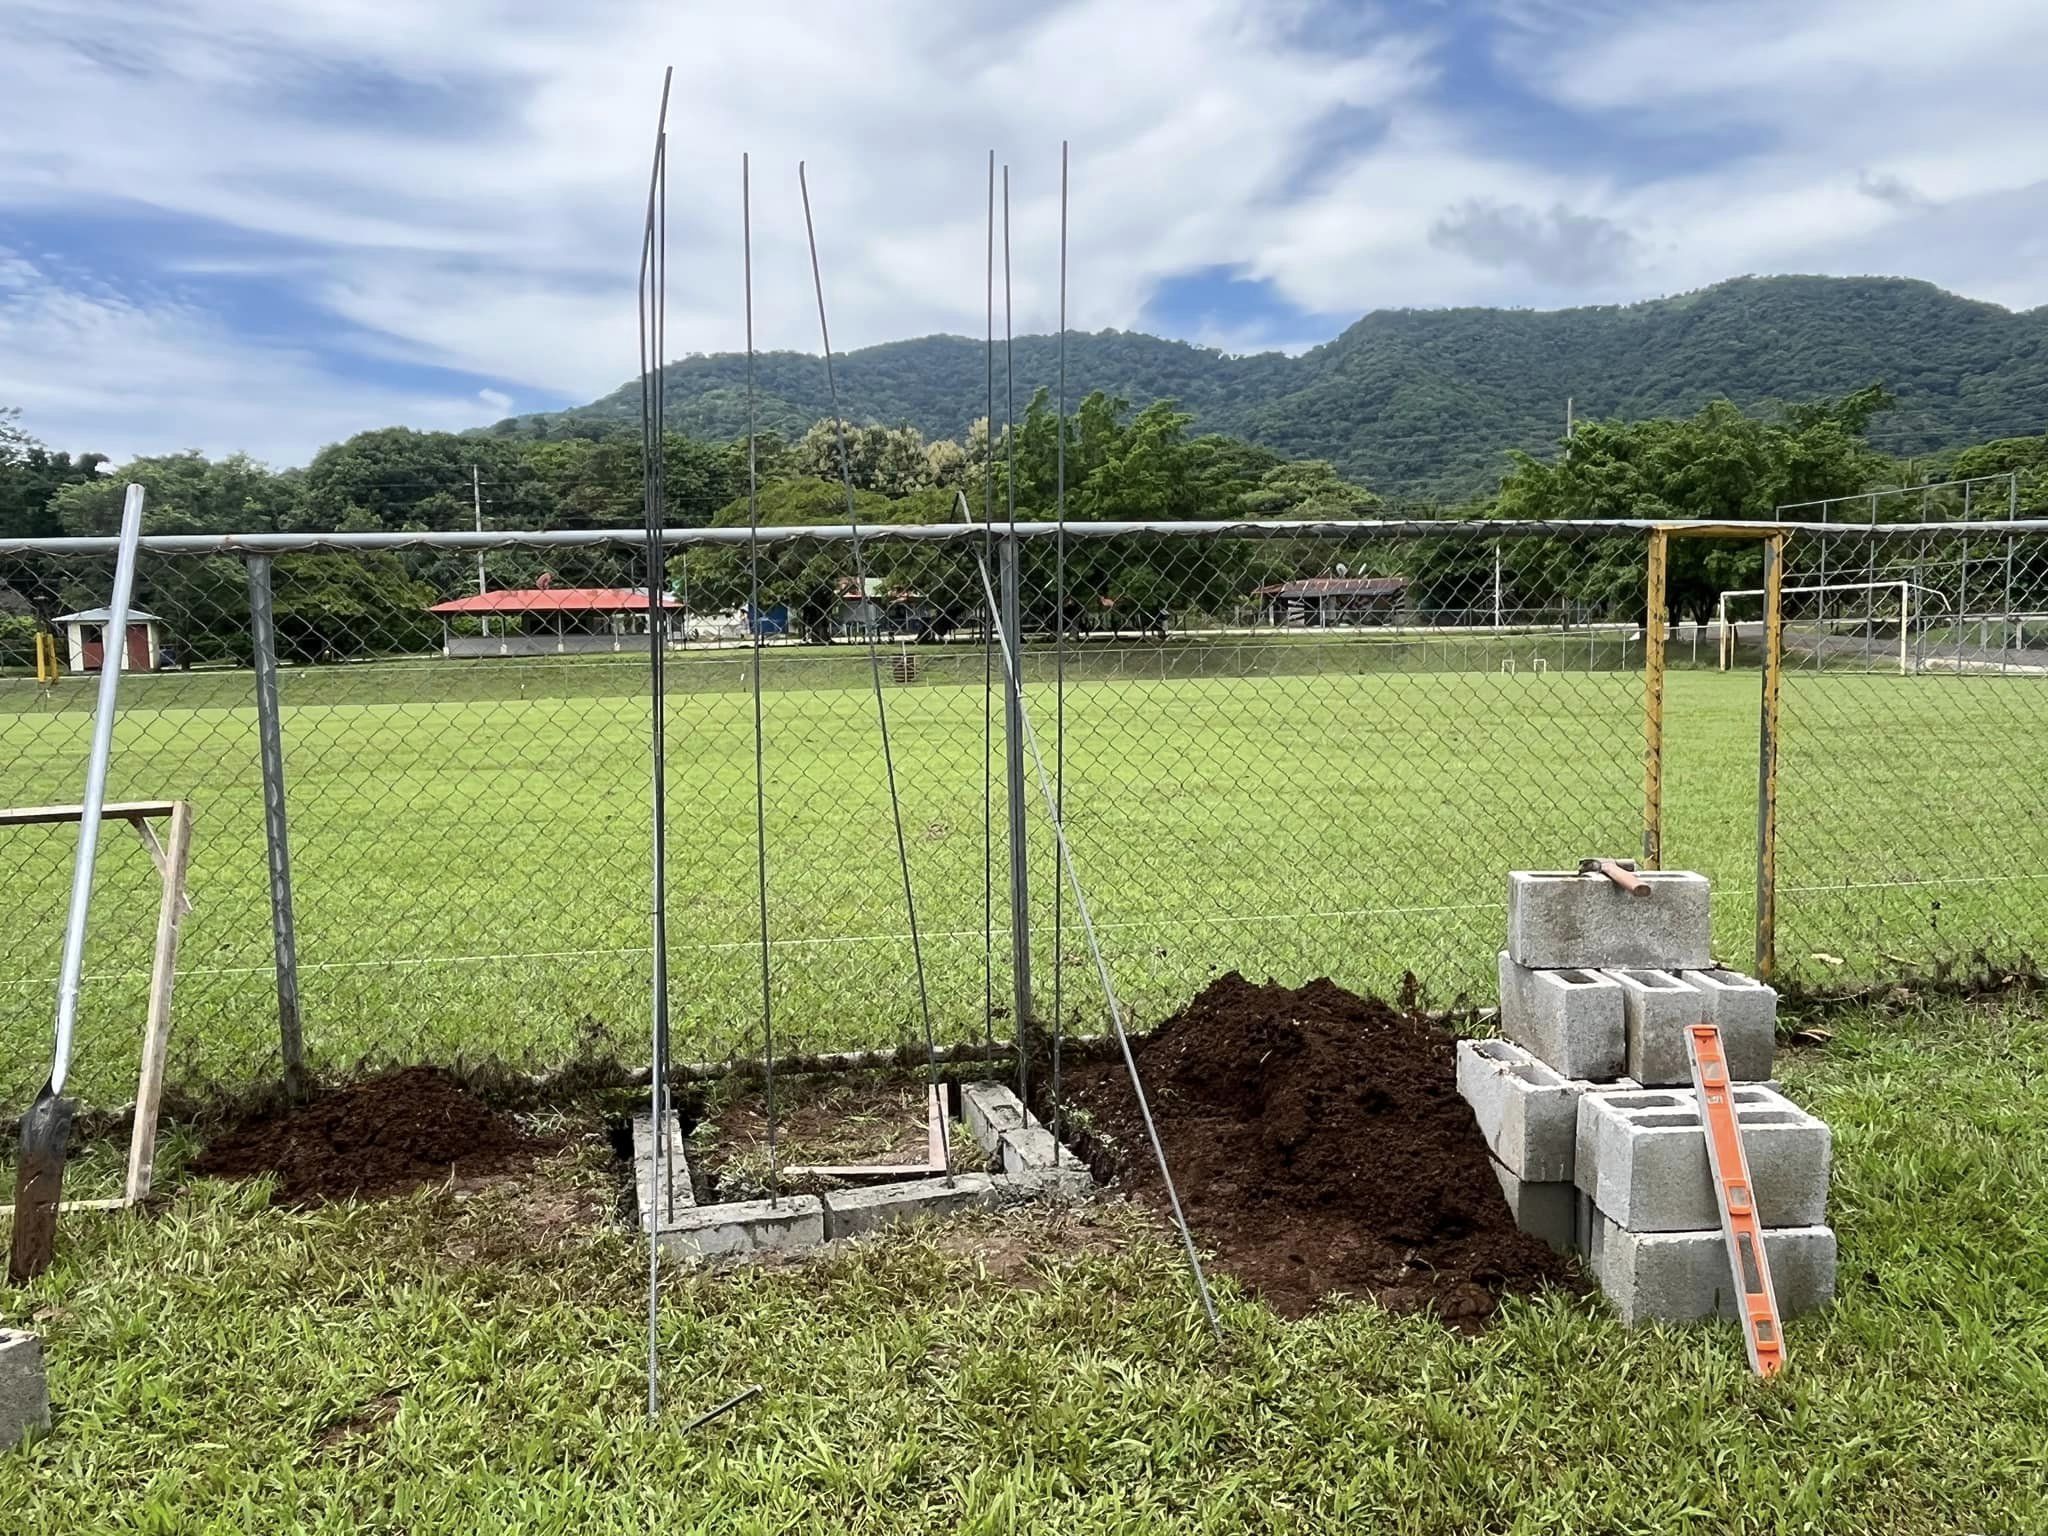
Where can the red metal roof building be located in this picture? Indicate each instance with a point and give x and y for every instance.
(553, 600)
(1322, 600)
(548, 620)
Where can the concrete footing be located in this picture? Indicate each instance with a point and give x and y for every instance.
(676, 1193)
(741, 1227)
(1033, 1167)
(850, 1212)
(24, 1388)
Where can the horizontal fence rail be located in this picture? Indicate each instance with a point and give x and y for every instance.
(1293, 749)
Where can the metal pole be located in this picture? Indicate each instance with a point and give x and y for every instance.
(276, 830)
(1767, 761)
(1653, 703)
(46, 1128)
(476, 501)
(1013, 759)
(1013, 708)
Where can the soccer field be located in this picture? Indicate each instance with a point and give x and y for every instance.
(469, 839)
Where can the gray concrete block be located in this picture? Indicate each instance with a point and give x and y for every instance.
(1569, 1019)
(1564, 920)
(677, 1191)
(1680, 1276)
(1029, 1147)
(1528, 1113)
(850, 1212)
(24, 1388)
(1657, 1007)
(1070, 1181)
(1747, 1011)
(740, 1227)
(991, 1109)
(1642, 1156)
(1542, 1209)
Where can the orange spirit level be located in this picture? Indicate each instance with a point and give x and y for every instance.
(1755, 1300)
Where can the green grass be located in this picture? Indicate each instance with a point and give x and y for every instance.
(470, 839)
(437, 1365)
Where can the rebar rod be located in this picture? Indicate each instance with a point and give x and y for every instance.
(865, 600)
(653, 295)
(1059, 901)
(1116, 1018)
(760, 749)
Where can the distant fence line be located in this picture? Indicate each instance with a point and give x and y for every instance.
(1273, 759)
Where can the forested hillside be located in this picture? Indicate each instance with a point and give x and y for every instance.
(1429, 402)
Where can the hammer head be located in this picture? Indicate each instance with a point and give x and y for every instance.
(1621, 871)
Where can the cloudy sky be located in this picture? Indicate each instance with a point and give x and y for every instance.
(231, 225)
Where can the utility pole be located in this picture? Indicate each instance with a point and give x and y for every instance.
(1567, 417)
(476, 501)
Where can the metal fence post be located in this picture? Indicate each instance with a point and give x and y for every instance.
(1767, 760)
(270, 738)
(1013, 756)
(1653, 701)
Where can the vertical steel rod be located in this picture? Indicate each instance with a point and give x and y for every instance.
(1116, 1016)
(284, 939)
(988, 651)
(1013, 699)
(860, 569)
(1653, 701)
(1059, 899)
(760, 749)
(1767, 760)
(653, 297)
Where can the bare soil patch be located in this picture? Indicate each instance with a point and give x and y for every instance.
(1320, 1147)
(379, 1137)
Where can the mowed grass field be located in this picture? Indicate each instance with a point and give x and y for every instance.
(470, 843)
(475, 1364)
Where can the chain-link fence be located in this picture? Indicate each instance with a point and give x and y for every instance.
(1294, 751)
(1913, 806)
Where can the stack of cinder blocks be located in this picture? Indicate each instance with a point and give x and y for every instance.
(1588, 1109)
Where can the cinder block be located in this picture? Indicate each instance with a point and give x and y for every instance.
(1747, 1011)
(1565, 920)
(1569, 1019)
(1528, 1113)
(1679, 1276)
(1070, 1181)
(850, 1212)
(24, 1388)
(1030, 1147)
(677, 1190)
(1642, 1157)
(991, 1109)
(1542, 1209)
(792, 1223)
(1657, 1007)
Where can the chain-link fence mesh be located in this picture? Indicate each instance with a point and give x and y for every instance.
(1299, 754)
(1913, 810)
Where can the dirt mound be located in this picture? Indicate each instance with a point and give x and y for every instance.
(381, 1136)
(1319, 1145)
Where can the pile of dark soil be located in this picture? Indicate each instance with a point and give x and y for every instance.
(382, 1136)
(1319, 1145)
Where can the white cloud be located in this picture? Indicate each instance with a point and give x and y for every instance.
(460, 184)
(97, 372)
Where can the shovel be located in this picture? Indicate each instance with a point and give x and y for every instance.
(46, 1128)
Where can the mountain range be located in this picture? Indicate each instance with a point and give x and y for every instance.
(1427, 402)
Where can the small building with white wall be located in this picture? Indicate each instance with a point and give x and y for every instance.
(85, 639)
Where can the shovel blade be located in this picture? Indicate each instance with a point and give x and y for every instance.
(39, 1185)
